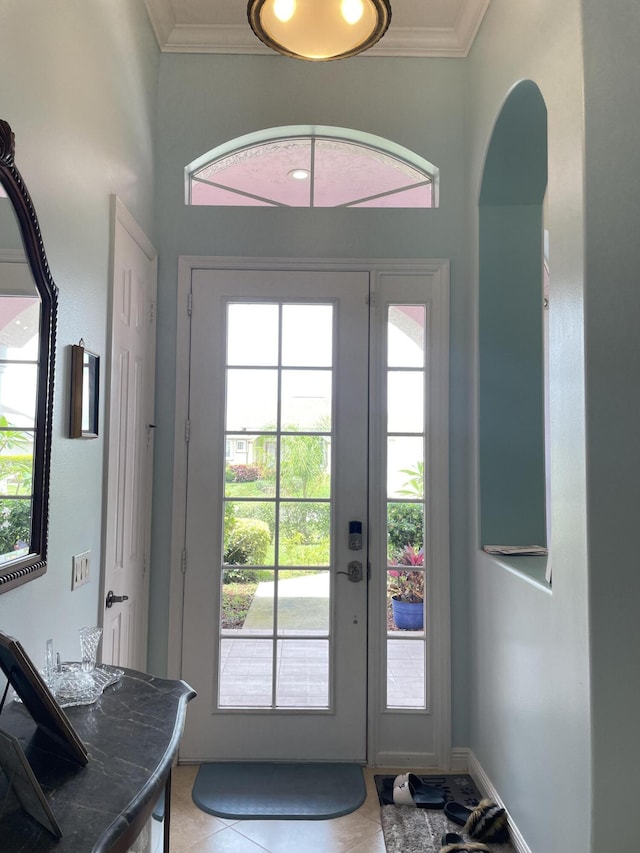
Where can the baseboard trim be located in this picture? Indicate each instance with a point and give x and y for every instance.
(427, 761)
(488, 789)
(459, 759)
(421, 760)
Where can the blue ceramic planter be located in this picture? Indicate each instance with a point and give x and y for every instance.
(408, 615)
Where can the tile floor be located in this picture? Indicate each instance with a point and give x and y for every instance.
(195, 831)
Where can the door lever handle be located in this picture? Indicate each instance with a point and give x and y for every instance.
(115, 599)
(354, 571)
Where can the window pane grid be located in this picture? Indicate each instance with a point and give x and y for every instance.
(277, 499)
(406, 581)
(331, 172)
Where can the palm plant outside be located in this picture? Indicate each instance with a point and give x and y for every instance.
(16, 465)
(414, 486)
(405, 584)
(406, 539)
(304, 527)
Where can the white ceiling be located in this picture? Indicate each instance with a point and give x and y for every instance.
(418, 27)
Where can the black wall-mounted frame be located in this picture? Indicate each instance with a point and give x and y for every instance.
(85, 393)
(26, 567)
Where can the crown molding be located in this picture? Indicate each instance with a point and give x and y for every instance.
(455, 41)
(471, 16)
(162, 20)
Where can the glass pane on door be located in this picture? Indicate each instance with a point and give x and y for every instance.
(405, 489)
(274, 624)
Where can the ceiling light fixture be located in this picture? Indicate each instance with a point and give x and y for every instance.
(299, 174)
(319, 30)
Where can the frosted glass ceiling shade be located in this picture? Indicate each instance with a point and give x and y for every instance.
(319, 30)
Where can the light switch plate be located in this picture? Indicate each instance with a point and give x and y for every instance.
(80, 569)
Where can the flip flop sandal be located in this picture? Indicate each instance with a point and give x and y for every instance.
(420, 788)
(486, 822)
(424, 797)
(451, 838)
(421, 797)
(457, 813)
(389, 784)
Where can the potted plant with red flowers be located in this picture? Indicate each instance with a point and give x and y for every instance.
(406, 585)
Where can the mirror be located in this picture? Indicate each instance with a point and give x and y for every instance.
(85, 390)
(28, 309)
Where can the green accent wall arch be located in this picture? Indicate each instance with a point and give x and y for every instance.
(511, 355)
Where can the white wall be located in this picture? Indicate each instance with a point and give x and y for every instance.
(529, 649)
(79, 85)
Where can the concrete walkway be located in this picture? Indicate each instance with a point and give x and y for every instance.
(304, 605)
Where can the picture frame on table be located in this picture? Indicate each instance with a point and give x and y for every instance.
(23, 676)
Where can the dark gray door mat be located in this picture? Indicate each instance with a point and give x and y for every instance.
(274, 791)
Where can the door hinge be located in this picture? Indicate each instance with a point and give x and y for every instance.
(189, 303)
(183, 562)
(152, 313)
(373, 299)
(187, 431)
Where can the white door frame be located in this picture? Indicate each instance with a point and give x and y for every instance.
(390, 728)
(440, 677)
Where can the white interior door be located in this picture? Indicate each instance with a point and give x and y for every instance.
(277, 470)
(129, 408)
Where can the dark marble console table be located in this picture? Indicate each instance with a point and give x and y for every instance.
(132, 734)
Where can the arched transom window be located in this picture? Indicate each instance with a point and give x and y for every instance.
(311, 167)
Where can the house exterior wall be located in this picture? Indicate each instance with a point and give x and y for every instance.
(529, 644)
(78, 89)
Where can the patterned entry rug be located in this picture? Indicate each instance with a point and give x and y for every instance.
(409, 830)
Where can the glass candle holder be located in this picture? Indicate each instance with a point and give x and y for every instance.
(89, 639)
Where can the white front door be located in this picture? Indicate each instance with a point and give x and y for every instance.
(130, 405)
(277, 470)
(314, 408)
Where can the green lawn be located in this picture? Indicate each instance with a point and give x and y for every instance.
(255, 489)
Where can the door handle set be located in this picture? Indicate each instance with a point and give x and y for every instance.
(354, 571)
(115, 599)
